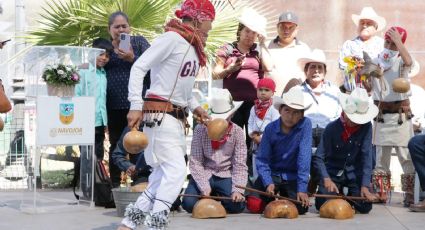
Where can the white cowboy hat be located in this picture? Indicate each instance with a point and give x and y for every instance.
(357, 106)
(254, 21)
(221, 103)
(315, 55)
(369, 13)
(294, 98)
(414, 69)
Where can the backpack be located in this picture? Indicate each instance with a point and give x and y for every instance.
(102, 185)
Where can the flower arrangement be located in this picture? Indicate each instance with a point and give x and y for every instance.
(60, 74)
(354, 66)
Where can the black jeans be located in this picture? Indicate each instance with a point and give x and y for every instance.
(353, 190)
(117, 121)
(284, 188)
(99, 138)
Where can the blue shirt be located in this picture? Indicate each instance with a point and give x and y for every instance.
(93, 83)
(285, 155)
(118, 75)
(353, 157)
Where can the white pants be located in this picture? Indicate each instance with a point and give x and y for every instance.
(166, 157)
(383, 158)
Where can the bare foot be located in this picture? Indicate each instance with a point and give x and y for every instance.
(123, 227)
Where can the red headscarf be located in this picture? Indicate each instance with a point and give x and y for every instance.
(401, 31)
(197, 9)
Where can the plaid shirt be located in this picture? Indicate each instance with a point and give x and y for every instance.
(227, 161)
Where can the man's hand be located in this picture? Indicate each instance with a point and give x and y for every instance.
(303, 197)
(201, 115)
(237, 197)
(330, 185)
(368, 195)
(270, 189)
(131, 170)
(207, 192)
(133, 118)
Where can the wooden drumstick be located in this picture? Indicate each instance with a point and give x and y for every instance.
(207, 197)
(268, 194)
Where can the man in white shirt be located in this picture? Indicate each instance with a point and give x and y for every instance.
(285, 50)
(174, 59)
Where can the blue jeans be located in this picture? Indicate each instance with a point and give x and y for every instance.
(219, 187)
(283, 187)
(417, 152)
(353, 190)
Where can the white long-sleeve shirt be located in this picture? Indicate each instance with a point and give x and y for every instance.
(169, 57)
(255, 124)
(325, 107)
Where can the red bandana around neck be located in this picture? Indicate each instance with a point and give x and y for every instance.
(261, 107)
(348, 131)
(190, 35)
(216, 144)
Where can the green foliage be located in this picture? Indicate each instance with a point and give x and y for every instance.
(78, 22)
(57, 178)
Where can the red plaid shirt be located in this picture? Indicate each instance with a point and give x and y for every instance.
(227, 161)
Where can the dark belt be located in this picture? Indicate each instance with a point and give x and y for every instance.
(393, 106)
(161, 106)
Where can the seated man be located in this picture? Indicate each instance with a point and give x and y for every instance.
(135, 166)
(284, 155)
(417, 152)
(344, 155)
(218, 166)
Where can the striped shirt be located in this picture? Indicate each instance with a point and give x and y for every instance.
(229, 161)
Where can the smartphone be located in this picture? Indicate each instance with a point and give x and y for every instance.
(124, 42)
(4, 42)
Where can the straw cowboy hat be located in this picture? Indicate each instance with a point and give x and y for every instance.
(254, 21)
(221, 103)
(315, 55)
(294, 98)
(369, 13)
(357, 106)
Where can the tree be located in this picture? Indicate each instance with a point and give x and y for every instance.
(78, 22)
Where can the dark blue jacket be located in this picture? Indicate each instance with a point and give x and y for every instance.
(354, 157)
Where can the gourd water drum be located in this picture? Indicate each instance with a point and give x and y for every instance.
(401, 85)
(336, 209)
(217, 128)
(281, 209)
(135, 141)
(208, 208)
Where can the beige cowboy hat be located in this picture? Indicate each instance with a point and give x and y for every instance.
(221, 103)
(357, 106)
(315, 55)
(369, 13)
(294, 98)
(254, 21)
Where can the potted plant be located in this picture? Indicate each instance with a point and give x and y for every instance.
(61, 79)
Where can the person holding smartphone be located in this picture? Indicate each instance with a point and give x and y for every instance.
(242, 63)
(126, 51)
